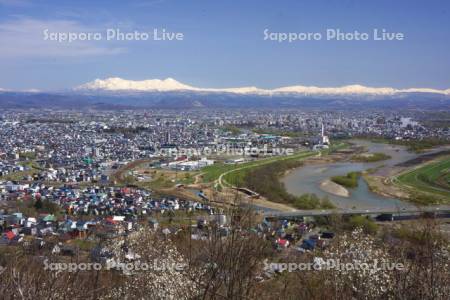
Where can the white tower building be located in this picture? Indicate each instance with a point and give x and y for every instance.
(325, 139)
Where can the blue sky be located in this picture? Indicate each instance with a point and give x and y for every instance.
(224, 43)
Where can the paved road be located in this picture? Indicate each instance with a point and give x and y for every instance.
(327, 212)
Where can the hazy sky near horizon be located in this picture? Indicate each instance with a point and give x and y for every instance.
(223, 43)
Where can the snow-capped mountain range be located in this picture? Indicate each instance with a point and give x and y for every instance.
(118, 93)
(116, 84)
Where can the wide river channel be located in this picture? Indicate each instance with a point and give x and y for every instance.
(307, 179)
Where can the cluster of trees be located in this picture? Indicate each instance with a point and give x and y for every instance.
(312, 201)
(350, 180)
(365, 223)
(265, 181)
(27, 155)
(420, 248)
(33, 208)
(46, 206)
(233, 129)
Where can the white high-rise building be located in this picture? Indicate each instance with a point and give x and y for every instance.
(325, 139)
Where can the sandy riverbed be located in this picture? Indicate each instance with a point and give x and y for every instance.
(334, 188)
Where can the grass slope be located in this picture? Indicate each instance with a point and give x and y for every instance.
(430, 179)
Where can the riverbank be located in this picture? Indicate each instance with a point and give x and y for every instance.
(384, 187)
(411, 145)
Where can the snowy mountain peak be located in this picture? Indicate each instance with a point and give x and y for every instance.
(119, 84)
(355, 89)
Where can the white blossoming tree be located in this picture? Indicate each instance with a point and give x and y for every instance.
(151, 268)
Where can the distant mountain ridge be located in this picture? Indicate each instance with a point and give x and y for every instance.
(170, 84)
(117, 93)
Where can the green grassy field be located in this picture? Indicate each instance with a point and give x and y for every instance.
(211, 173)
(431, 179)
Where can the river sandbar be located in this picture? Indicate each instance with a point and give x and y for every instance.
(334, 188)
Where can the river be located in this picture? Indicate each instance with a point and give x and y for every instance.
(307, 179)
